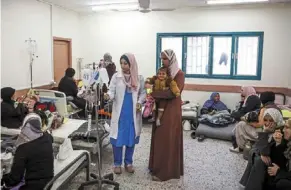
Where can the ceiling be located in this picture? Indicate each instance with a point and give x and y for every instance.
(85, 6)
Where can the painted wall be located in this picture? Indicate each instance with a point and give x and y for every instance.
(118, 33)
(23, 19)
(136, 32)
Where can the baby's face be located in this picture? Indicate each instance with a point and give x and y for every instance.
(162, 75)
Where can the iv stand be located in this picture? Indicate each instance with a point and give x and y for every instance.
(98, 178)
(32, 56)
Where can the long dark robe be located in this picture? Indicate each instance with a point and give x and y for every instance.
(166, 156)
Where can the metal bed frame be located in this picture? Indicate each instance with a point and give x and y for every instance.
(84, 164)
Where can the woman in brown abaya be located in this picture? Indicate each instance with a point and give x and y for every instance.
(166, 156)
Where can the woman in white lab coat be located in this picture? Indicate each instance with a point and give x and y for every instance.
(127, 92)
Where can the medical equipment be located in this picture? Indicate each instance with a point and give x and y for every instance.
(31, 50)
(98, 179)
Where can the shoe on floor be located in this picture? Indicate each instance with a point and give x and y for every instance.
(117, 170)
(154, 178)
(129, 169)
(235, 150)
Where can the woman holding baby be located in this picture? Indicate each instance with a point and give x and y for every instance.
(166, 156)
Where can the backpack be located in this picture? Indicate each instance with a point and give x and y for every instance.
(148, 109)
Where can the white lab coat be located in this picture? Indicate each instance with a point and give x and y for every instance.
(116, 93)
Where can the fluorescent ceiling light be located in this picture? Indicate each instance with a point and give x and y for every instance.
(213, 2)
(114, 2)
(120, 7)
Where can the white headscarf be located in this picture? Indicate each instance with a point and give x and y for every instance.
(276, 116)
(173, 65)
(30, 130)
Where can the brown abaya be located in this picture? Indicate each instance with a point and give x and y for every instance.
(166, 156)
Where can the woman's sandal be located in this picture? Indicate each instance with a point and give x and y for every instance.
(201, 138)
(154, 178)
(117, 170)
(193, 135)
(129, 169)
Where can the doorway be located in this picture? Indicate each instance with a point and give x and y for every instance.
(62, 57)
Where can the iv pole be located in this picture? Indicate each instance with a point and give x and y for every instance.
(32, 56)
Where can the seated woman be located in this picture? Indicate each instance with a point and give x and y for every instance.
(33, 160)
(251, 102)
(247, 130)
(282, 176)
(12, 113)
(267, 152)
(68, 86)
(213, 104)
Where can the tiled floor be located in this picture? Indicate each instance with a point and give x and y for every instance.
(208, 166)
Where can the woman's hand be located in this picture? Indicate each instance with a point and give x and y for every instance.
(272, 171)
(278, 136)
(266, 160)
(138, 107)
(106, 96)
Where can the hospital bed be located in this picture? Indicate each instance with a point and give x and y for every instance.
(64, 170)
(225, 133)
(63, 103)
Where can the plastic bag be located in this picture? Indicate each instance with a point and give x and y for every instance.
(65, 150)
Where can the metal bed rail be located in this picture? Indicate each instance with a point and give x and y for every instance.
(85, 164)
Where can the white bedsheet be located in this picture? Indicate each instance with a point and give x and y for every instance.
(66, 129)
(58, 134)
(59, 165)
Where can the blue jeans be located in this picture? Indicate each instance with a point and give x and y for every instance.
(117, 153)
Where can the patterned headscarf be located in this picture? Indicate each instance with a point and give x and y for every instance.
(133, 78)
(173, 65)
(107, 59)
(30, 130)
(276, 116)
(248, 91)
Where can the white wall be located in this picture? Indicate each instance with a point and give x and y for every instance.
(22, 19)
(136, 32)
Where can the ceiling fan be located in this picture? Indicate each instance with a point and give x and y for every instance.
(144, 7)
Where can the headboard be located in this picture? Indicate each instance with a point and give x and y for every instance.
(59, 99)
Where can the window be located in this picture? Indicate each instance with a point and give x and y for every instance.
(236, 55)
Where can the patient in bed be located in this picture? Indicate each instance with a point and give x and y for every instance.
(12, 112)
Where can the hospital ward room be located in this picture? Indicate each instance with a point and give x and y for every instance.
(145, 94)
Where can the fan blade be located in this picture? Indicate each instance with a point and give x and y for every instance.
(132, 10)
(163, 9)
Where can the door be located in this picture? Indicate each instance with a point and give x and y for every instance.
(62, 57)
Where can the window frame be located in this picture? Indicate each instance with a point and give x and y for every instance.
(234, 48)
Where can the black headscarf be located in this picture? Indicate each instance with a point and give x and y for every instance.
(267, 97)
(7, 93)
(70, 72)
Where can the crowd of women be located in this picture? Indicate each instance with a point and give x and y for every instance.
(269, 161)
